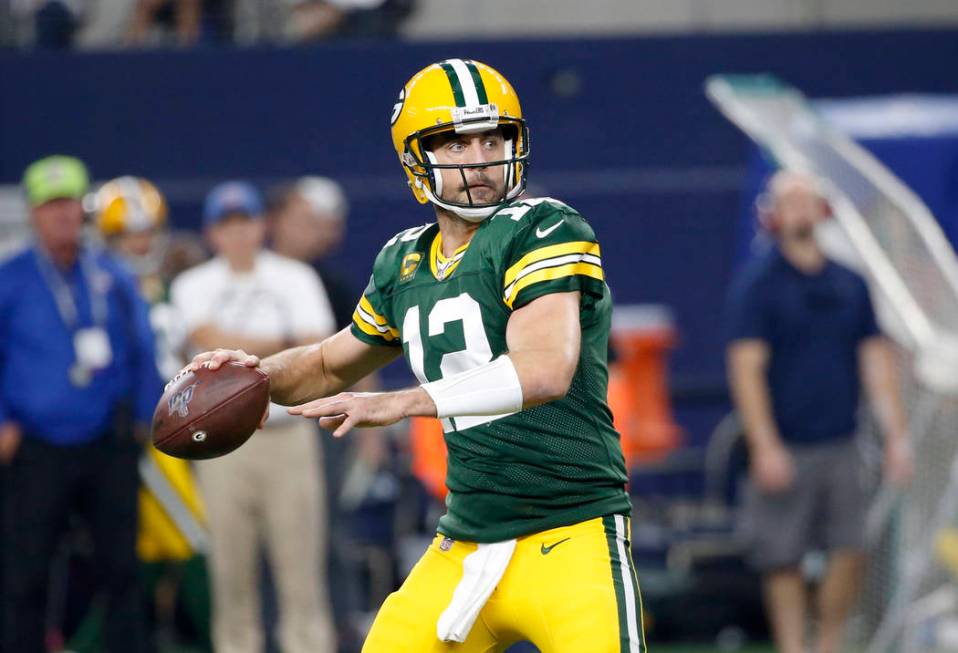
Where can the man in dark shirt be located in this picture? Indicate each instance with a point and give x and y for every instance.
(77, 377)
(803, 340)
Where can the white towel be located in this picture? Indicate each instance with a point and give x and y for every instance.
(481, 572)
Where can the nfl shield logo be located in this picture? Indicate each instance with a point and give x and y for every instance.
(180, 402)
(446, 543)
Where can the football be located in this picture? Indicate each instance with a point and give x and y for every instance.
(209, 413)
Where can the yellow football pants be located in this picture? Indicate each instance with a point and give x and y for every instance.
(567, 590)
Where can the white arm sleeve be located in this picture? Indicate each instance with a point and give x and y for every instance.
(490, 389)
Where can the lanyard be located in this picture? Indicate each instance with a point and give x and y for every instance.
(66, 305)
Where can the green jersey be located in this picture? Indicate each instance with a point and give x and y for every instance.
(540, 468)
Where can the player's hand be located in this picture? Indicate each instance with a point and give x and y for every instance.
(773, 469)
(346, 410)
(10, 437)
(899, 466)
(214, 359)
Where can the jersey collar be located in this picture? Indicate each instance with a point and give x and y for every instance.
(441, 266)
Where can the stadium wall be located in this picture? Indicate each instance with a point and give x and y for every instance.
(620, 130)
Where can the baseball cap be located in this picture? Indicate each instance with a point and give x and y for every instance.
(55, 177)
(231, 197)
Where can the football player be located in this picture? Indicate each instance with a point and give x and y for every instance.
(502, 312)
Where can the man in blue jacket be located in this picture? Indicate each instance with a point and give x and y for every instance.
(78, 383)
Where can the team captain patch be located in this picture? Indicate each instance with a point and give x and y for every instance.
(410, 264)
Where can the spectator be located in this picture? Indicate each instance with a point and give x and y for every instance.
(308, 223)
(131, 216)
(77, 383)
(55, 22)
(323, 19)
(803, 340)
(185, 17)
(261, 302)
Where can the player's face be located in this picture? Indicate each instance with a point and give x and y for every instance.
(58, 224)
(483, 185)
(136, 244)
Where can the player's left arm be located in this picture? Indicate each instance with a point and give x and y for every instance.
(543, 338)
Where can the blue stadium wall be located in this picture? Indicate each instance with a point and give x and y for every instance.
(620, 130)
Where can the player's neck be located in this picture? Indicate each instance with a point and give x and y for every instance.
(455, 231)
(804, 254)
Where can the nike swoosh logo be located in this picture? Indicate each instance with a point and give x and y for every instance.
(542, 233)
(544, 550)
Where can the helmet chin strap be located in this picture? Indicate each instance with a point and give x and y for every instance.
(469, 214)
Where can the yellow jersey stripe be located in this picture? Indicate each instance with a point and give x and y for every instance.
(553, 262)
(549, 251)
(366, 306)
(367, 328)
(551, 274)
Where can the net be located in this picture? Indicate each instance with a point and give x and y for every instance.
(909, 602)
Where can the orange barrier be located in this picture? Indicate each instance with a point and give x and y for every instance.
(428, 451)
(638, 393)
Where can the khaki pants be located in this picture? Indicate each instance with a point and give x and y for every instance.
(269, 492)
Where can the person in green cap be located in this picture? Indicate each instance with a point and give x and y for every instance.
(77, 380)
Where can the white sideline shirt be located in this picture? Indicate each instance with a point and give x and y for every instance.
(279, 298)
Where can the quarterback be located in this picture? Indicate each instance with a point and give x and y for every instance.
(501, 309)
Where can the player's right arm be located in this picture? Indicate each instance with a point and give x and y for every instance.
(309, 372)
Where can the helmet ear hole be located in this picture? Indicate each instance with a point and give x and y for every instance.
(434, 173)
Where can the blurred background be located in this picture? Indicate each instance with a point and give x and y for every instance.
(188, 93)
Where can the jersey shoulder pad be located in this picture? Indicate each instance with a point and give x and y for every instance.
(552, 249)
(542, 220)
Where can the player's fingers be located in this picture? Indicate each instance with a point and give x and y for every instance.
(197, 361)
(332, 422)
(345, 427)
(321, 407)
(221, 356)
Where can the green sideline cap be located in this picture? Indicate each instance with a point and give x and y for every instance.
(55, 177)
